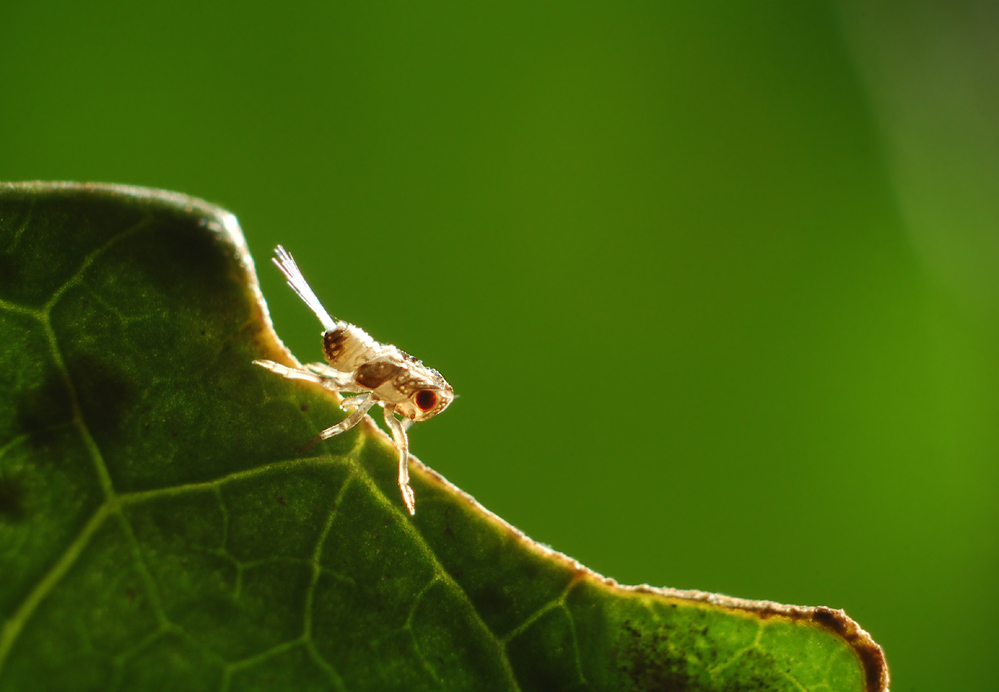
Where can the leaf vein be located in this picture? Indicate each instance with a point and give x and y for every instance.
(92, 257)
(442, 573)
(14, 307)
(137, 496)
(15, 624)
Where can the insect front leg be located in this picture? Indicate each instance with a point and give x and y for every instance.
(343, 426)
(402, 442)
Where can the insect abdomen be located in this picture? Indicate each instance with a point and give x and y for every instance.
(347, 347)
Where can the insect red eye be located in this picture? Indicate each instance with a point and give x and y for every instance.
(426, 399)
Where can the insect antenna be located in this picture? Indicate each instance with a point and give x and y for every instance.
(286, 263)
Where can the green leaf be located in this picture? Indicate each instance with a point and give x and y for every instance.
(158, 530)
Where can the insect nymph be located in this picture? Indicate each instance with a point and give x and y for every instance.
(375, 373)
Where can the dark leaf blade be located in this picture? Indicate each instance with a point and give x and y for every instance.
(158, 531)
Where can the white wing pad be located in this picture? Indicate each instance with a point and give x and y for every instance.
(286, 263)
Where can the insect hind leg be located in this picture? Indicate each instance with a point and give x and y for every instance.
(290, 373)
(319, 373)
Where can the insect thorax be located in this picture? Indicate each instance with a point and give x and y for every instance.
(392, 376)
(347, 347)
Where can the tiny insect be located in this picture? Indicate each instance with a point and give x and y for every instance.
(376, 373)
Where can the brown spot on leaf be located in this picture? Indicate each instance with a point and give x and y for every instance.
(767, 613)
(870, 654)
(646, 664)
(651, 657)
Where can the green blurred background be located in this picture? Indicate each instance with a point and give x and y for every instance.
(717, 282)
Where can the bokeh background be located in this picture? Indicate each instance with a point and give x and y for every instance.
(718, 283)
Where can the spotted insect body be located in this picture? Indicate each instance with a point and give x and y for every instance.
(378, 374)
